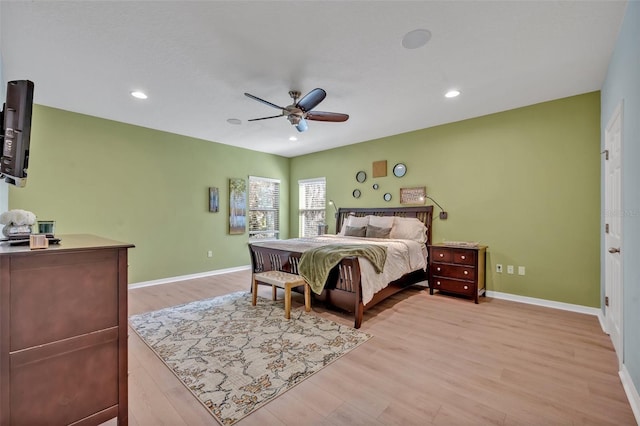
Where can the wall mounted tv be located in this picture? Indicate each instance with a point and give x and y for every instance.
(16, 132)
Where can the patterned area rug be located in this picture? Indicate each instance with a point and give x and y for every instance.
(235, 357)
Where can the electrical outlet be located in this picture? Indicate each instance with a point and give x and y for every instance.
(520, 270)
(210, 253)
(499, 268)
(509, 269)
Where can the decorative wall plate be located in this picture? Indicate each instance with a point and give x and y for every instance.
(387, 197)
(361, 176)
(356, 193)
(399, 170)
(375, 186)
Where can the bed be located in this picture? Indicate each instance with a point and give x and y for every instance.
(343, 288)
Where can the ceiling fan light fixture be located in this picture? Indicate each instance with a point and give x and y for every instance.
(453, 93)
(416, 38)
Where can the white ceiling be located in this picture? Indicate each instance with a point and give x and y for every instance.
(195, 60)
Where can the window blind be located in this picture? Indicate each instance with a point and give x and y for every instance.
(313, 201)
(264, 208)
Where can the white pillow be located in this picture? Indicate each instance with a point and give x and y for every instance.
(408, 228)
(381, 221)
(354, 221)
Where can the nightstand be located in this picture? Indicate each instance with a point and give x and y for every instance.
(457, 269)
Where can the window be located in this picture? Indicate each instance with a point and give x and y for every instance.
(313, 200)
(264, 208)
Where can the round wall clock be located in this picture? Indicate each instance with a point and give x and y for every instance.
(387, 197)
(356, 193)
(361, 176)
(399, 170)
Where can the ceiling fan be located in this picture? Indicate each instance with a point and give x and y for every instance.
(300, 111)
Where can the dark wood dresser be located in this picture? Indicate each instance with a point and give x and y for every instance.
(458, 270)
(63, 332)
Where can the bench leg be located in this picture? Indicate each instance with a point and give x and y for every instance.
(274, 290)
(287, 302)
(254, 292)
(307, 297)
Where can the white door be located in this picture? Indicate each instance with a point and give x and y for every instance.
(613, 229)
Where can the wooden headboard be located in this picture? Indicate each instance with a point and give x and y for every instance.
(423, 213)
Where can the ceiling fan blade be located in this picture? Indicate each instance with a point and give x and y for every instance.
(327, 116)
(302, 125)
(311, 99)
(264, 118)
(263, 101)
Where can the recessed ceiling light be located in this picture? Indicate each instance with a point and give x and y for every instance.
(293, 139)
(138, 94)
(452, 93)
(416, 38)
(235, 121)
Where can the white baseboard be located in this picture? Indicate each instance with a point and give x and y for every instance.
(188, 277)
(632, 392)
(548, 303)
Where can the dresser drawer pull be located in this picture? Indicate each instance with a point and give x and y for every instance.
(466, 287)
(437, 282)
(438, 268)
(441, 254)
(466, 272)
(463, 257)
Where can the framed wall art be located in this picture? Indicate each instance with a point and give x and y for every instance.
(415, 195)
(214, 201)
(237, 206)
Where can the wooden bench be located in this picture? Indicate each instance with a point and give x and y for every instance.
(285, 281)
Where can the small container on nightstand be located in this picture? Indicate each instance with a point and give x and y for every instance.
(458, 269)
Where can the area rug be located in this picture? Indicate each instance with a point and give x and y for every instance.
(235, 357)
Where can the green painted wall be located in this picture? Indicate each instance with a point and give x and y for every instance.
(526, 182)
(142, 186)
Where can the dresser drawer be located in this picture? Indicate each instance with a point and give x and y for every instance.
(464, 257)
(441, 254)
(454, 271)
(454, 286)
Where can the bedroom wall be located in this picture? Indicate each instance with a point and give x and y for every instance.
(622, 84)
(142, 186)
(526, 182)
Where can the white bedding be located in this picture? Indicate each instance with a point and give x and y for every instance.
(403, 256)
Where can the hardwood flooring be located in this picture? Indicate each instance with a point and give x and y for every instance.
(433, 360)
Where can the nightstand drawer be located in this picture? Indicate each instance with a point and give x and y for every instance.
(464, 257)
(453, 286)
(440, 254)
(454, 271)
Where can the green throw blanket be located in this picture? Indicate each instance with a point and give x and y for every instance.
(316, 263)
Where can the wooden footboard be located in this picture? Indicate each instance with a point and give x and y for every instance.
(343, 285)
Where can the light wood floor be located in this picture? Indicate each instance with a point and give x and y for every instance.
(433, 360)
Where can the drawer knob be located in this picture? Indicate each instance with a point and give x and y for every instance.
(437, 282)
(463, 257)
(466, 287)
(441, 255)
(438, 268)
(466, 272)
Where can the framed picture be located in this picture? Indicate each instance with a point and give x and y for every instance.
(413, 195)
(237, 206)
(214, 204)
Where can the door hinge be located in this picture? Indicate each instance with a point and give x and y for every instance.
(606, 301)
(606, 154)
(606, 228)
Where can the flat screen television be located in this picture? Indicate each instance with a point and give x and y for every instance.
(16, 132)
